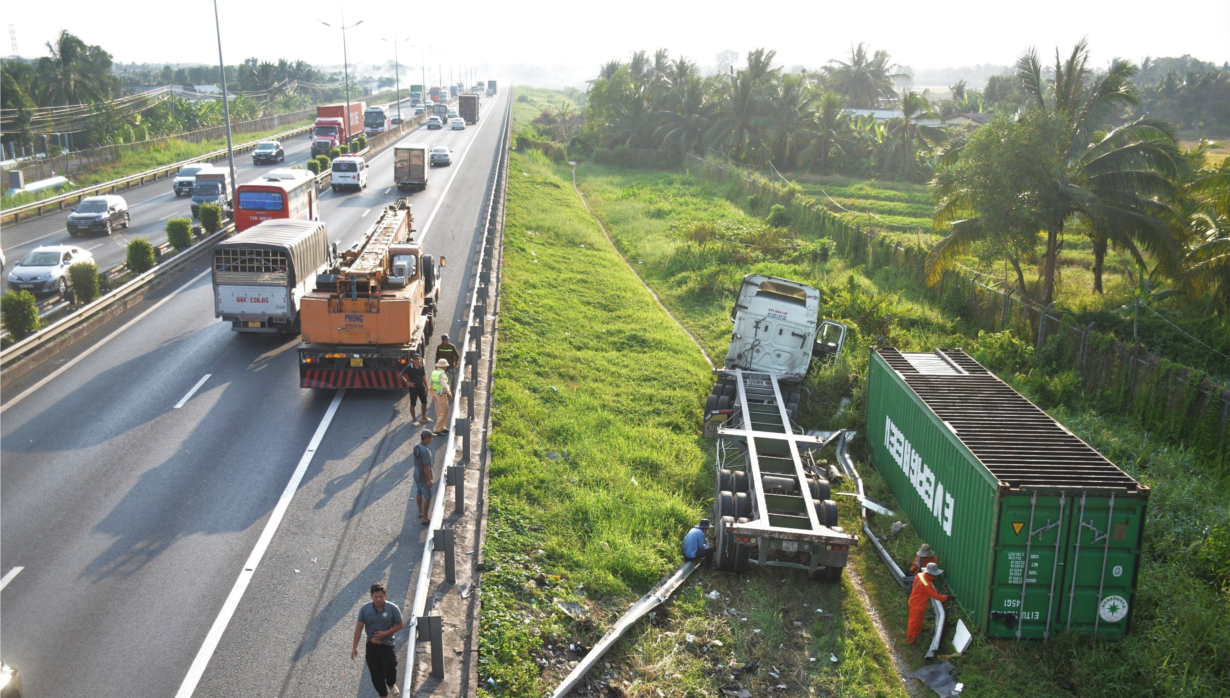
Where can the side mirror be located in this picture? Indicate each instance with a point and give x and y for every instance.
(443, 261)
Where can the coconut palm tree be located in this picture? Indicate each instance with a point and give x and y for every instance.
(905, 136)
(739, 102)
(687, 116)
(760, 64)
(69, 75)
(863, 80)
(786, 115)
(831, 131)
(1206, 266)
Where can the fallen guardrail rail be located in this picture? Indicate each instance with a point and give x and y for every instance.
(656, 597)
(24, 355)
(36, 209)
(425, 627)
(847, 466)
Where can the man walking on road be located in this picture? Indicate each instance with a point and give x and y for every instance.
(451, 354)
(416, 386)
(694, 547)
(920, 596)
(382, 619)
(423, 464)
(441, 392)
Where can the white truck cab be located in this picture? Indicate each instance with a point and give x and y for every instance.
(776, 328)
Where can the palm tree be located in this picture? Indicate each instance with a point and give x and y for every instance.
(863, 80)
(67, 75)
(785, 116)
(760, 64)
(632, 124)
(831, 131)
(608, 69)
(739, 107)
(681, 70)
(688, 116)
(1117, 183)
(905, 135)
(1206, 267)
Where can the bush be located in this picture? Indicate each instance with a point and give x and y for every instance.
(779, 217)
(179, 233)
(20, 313)
(211, 218)
(355, 147)
(362, 141)
(140, 256)
(83, 279)
(313, 167)
(323, 161)
(334, 153)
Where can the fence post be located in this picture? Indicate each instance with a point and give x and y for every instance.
(1080, 366)
(430, 629)
(457, 478)
(445, 539)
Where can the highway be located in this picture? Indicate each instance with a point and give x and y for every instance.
(141, 470)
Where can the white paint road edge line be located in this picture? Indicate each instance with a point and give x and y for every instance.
(9, 577)
(192, 392)
(462, 159)
(77, 359)
(197, 670)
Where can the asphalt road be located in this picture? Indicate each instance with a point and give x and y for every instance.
(149, 206)
(133, 516)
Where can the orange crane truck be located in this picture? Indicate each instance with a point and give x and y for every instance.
(371, 309)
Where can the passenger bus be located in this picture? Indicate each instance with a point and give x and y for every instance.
(289, 194)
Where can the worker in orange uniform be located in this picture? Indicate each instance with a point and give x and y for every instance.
(920, 594)
(923, 558)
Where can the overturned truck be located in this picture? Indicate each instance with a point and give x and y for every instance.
(773, 504)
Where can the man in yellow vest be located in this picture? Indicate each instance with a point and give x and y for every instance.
(441, 393)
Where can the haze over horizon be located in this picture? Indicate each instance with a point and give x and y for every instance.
(558, 39)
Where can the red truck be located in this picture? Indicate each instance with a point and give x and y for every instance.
(331, 130)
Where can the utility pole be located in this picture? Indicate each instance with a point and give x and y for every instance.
(396, 69)
(226, 108)
(345, 64)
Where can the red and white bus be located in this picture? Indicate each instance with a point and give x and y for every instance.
(279, 194)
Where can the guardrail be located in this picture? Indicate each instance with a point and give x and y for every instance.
(57, 203)
(428, 628)
(19, 353)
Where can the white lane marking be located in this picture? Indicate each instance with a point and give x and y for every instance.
(41, 237)
(434, 211)
(166, 216)
(365, 213)
(192, 392)
(91, 249)
(386, 191)
(77, 359)
(197, 670)
(9, 577)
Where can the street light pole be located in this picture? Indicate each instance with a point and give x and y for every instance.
(226, 107)
(396, 68)
(345, 64)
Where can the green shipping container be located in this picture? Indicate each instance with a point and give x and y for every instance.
(1037, 532)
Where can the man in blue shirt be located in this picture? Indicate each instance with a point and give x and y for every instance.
(694, 547)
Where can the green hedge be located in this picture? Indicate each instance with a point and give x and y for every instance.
(20, 312)
(179, 233)
(313, 166)
(83, 280)
(211, 218)
(140, 256)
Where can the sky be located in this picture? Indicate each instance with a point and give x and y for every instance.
(568, 41)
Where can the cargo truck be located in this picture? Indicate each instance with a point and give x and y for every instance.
(416, 95)
(212, 187)
(333, 129)
(440, 109)
(467, 108)
(773, 504)
(1038, 533)
(410, 169)
(491, 88)
(261, 275)
(434, 94)
(375, 120)
(372, 308)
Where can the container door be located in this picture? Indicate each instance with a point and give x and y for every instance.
(1099, 584)
(1032, 534)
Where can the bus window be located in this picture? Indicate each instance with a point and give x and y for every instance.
(260, 201)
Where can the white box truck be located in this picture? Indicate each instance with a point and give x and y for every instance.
(261, 274)
(410, 168)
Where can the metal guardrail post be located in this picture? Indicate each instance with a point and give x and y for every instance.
(445, 539)
(472, 364)
(457, 478)
(430, 629)
(467, 390)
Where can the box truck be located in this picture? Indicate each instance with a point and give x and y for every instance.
(261, 275)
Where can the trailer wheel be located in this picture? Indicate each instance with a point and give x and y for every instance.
(725, 481)
(833, 574)
(710, 404)
(820, 489)
(743, 552)
(729, 391)
(723, 403)
(725, 504)
(740, 482)
(725, 553)
(743, 505)
(429, 273)
(826, 512)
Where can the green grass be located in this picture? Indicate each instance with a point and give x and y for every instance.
(528, 103)
(134, 162)
(1180, 643)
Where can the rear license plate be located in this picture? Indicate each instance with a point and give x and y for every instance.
(356, 363)
(790, 546)
(253, 324)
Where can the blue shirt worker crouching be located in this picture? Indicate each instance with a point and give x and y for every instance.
(694, 547)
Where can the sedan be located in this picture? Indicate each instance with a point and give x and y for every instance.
(434, 122)
(452, 113)
(98, 214)
(45, 270)
(458, 123)
(440, 155)
(268, 152)
(419, 110)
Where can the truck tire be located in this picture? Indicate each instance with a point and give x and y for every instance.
(826, 512)
(710, 404)
(724, 556)
(833, 574)
(429, 274)
(725, 503)
(723, 403)
(429, 330)
(740, 481)
(743, 505)
(725, 481)
(820, 489)
(729, 391)
(743, 553)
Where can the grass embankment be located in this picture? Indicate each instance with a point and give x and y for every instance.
(692, 244)
(598, 469)
(135, 162)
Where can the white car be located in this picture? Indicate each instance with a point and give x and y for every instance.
(45, 269)
(349, 172)
(458, 124)
(452, 113)
(441, 155)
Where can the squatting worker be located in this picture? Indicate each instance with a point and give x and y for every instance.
(416, 386)
(441, 393)
(451, 354)
(382, 618)
(694, 546)
(924, 557)
(920, 596)
(423, 460)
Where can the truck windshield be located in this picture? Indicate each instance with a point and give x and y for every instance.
(326, 130)
(208, 189)
(260, 201)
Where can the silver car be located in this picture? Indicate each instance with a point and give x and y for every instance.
(45, 270)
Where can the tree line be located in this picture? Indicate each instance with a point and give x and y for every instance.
(76, 89)
(1069, 152)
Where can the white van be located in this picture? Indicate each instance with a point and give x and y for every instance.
(349, 172)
